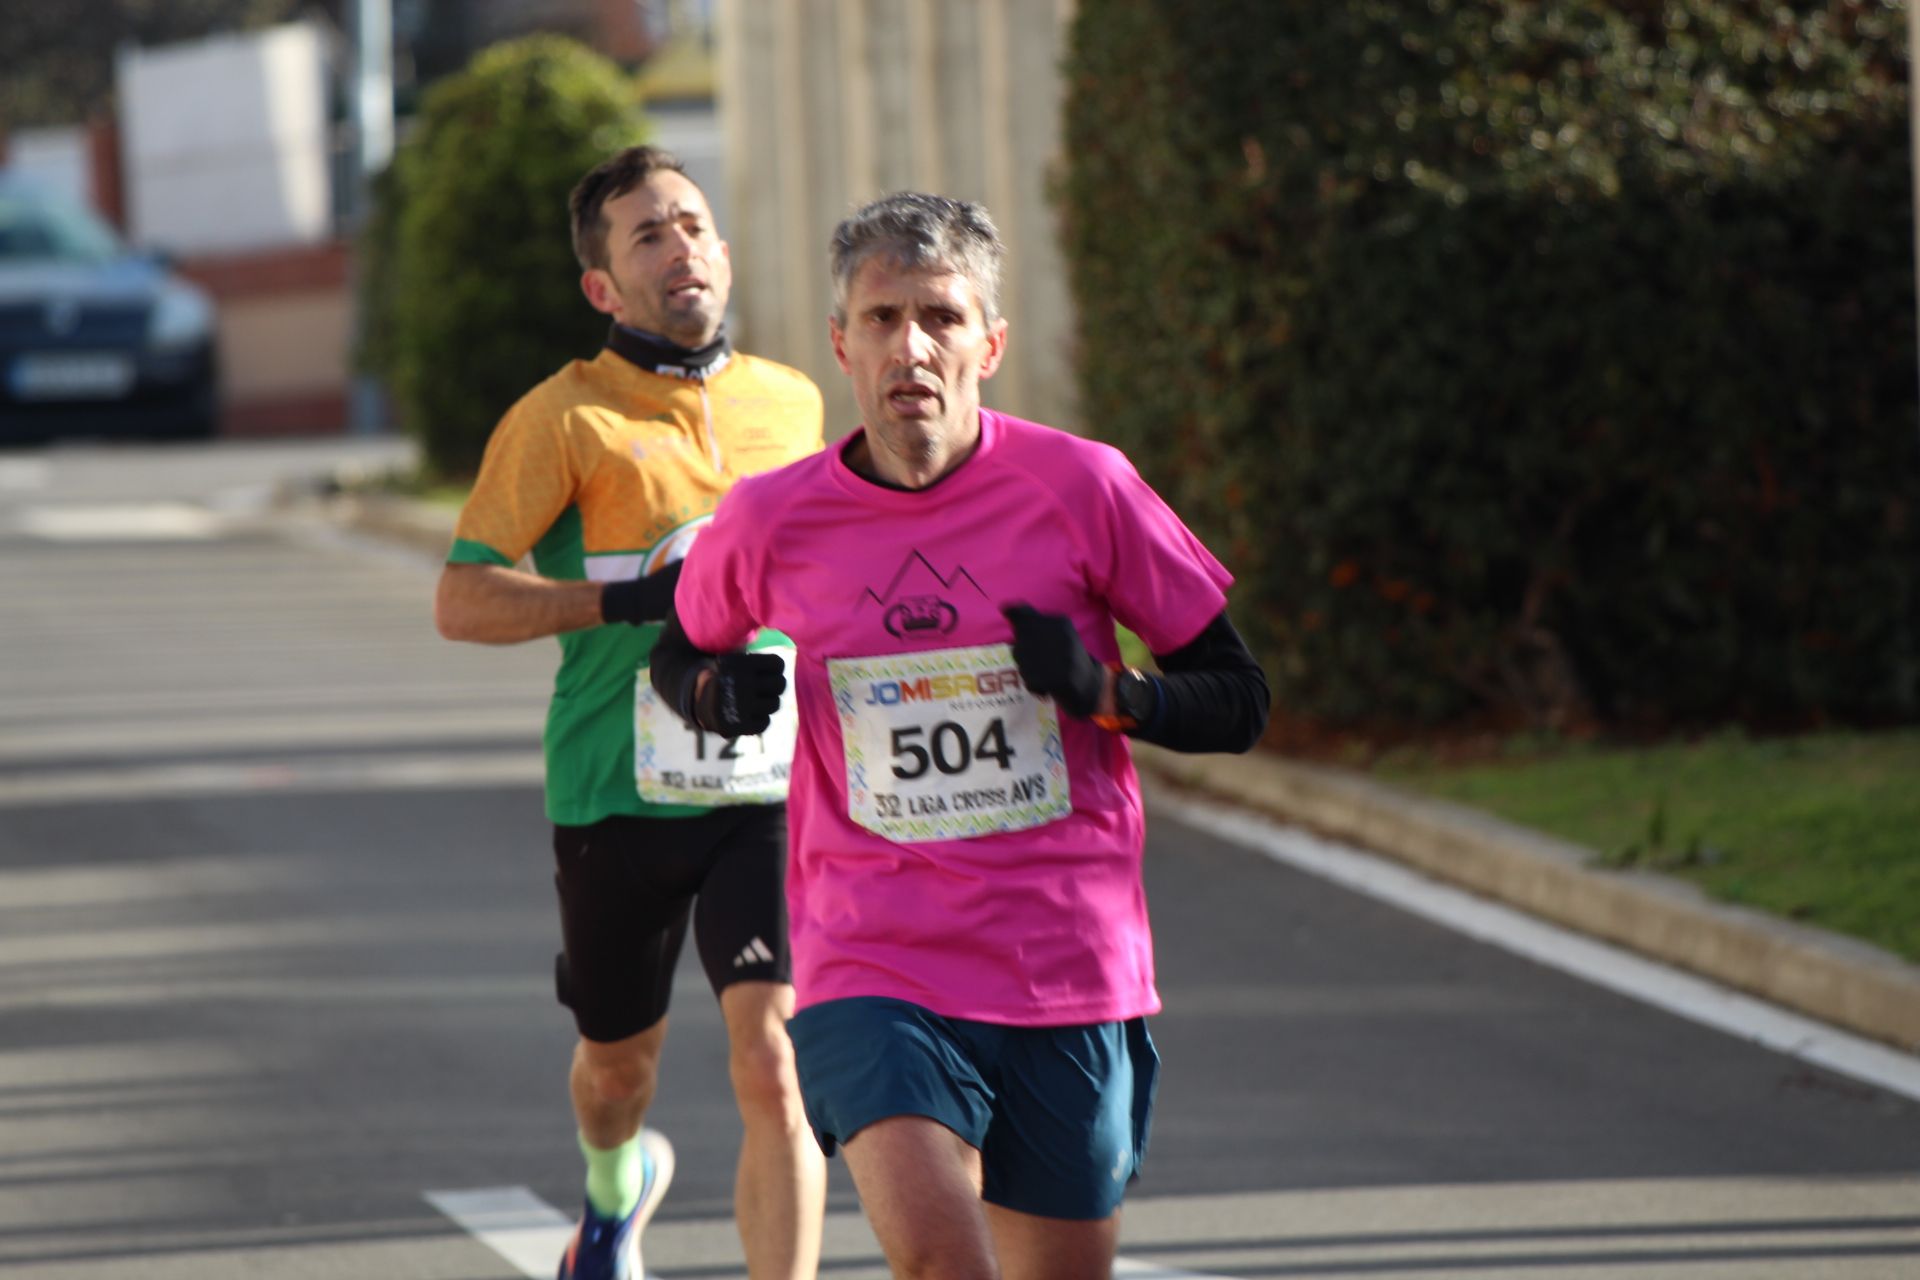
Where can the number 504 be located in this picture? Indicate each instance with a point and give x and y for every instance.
(947, 748)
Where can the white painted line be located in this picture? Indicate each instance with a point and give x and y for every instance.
(183, 735)
(1596, 962)
(375, 773)
(512, 1221)
(18, 475)
(1133, 1270)
(141, 521)
(531, 1234)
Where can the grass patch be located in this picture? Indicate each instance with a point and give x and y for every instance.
(1823, 828)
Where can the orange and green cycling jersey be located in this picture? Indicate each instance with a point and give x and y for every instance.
(607, 471)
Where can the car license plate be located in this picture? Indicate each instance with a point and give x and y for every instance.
(72, 375)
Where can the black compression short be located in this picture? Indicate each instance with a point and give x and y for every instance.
(629, 887)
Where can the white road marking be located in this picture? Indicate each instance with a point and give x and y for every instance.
(1736, 1228)
(1834, 1227)
(512, 1221)
(18, 475)
(161, 521)
(1596, 962)
(530, 1234)
(377, 773)
(318, 727)
(1133, 1270)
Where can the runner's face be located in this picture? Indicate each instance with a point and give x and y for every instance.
(916, 346)
(667, 271)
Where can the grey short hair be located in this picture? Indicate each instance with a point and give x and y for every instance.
(920, 232)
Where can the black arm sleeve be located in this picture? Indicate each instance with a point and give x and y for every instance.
(675, 662)
(640, 600)
(1213, 695)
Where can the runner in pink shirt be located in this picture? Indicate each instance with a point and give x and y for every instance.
(972, 959)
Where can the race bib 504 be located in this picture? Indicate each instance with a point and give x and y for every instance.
(947, 744)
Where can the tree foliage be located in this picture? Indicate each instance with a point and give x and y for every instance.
(1544, 359)
(471, 292)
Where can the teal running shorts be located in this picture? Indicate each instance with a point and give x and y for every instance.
(1059, 1114)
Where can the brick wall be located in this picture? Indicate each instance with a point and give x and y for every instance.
(286, 332)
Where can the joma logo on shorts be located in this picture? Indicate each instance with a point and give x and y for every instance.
(887, 693)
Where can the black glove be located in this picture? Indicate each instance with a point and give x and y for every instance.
(742, 696)
(1053, 662)
(639, 600)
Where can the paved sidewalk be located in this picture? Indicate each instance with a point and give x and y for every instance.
(1834, 979)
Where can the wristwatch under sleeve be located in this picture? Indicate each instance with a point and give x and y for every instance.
(1136, 700)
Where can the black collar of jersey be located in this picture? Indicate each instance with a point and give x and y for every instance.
(655, 354)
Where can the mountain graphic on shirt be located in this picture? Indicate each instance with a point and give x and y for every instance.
(921, 601)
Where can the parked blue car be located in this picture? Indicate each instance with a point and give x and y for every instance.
(95, 338)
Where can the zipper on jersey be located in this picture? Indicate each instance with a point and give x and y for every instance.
(713, 441)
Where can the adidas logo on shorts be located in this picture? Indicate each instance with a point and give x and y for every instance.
(754, 952)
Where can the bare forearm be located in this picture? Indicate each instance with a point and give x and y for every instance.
(486, 604)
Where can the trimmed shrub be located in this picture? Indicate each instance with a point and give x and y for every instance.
(1546, 362)
(473, 291)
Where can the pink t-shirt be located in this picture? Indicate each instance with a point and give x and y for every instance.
(955, 841)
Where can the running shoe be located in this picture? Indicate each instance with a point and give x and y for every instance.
(609, 1248)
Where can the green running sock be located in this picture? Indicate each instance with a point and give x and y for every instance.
(614, 1178)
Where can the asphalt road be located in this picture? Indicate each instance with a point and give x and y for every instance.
(276, 929)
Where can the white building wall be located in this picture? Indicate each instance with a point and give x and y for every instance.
(225, 141)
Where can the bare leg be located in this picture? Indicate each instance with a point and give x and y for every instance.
(612, 1085)
(920, 1184)
(1036, 1248)
(780, 1190)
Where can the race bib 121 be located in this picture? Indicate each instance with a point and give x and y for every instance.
(675, 763)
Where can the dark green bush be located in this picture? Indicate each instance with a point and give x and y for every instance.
(474, 293)
(1545, 360)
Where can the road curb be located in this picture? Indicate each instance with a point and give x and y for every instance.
(1826, 976)
(419, 526)
(1823, 975)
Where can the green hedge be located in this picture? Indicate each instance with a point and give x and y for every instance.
(1548, 361)
(471, 291)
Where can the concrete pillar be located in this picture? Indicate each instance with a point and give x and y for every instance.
(826, 104)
